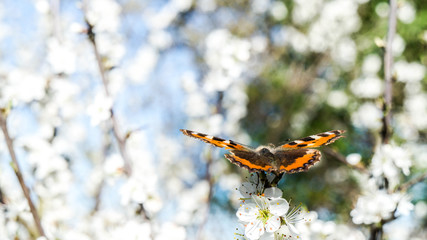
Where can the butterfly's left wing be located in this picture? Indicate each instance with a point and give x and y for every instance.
(216, 141)
(316, 140)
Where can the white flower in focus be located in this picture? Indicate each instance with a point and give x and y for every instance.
(267, 216)
(247, 189)
(262, 215)
(100, 109)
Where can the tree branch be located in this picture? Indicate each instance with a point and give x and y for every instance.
(18, 173)
(377, 230)
(388, 75)
(412, 182)
(121, 141)
(341, 158)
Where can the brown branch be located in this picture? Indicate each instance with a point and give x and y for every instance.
(121, 141)
(377, 230)
(338, 156)
(18, 173)
(412, 182)
(388, 75)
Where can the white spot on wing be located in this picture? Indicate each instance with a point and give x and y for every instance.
(315, 137)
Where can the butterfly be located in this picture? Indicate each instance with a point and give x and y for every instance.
(292, 157)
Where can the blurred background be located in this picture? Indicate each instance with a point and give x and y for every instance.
(94, 94)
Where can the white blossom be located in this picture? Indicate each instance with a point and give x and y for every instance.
(367, 87)
(367, 116)
(100, 109)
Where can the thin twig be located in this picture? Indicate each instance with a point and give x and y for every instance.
(388, 68)
(412, 182)
(121, 141)
(377, 230)
(18, 173)
(338, 156)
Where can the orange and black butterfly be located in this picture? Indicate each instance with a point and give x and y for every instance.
(292, 157)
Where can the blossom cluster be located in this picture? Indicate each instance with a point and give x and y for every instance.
(265, 214)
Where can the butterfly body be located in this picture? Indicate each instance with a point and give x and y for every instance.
(292, 157)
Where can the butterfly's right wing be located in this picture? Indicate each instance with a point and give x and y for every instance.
(316, 140)
(296, 160)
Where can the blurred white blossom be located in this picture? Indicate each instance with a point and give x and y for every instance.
(353, 158)
(104, 15)
(378, 205)
(61, 56)
(406, 12)
(22, 86)
(171, 231)
(367, 87)
(368, 115)
(371, 65)
(337, 99)
(100, 109)
(388, 160)
(416, 109)
(278, 10)
(382, 9)
(409, 72)
(374, 207)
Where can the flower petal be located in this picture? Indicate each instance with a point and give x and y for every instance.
(285, 232)
(279, 206)
(272, 224)
(254, 229)
(293, 229)
(267, 236)
(273, 192)
(261, 201)
(247, 212)
(247, 189)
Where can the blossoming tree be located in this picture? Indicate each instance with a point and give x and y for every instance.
(93, 94)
